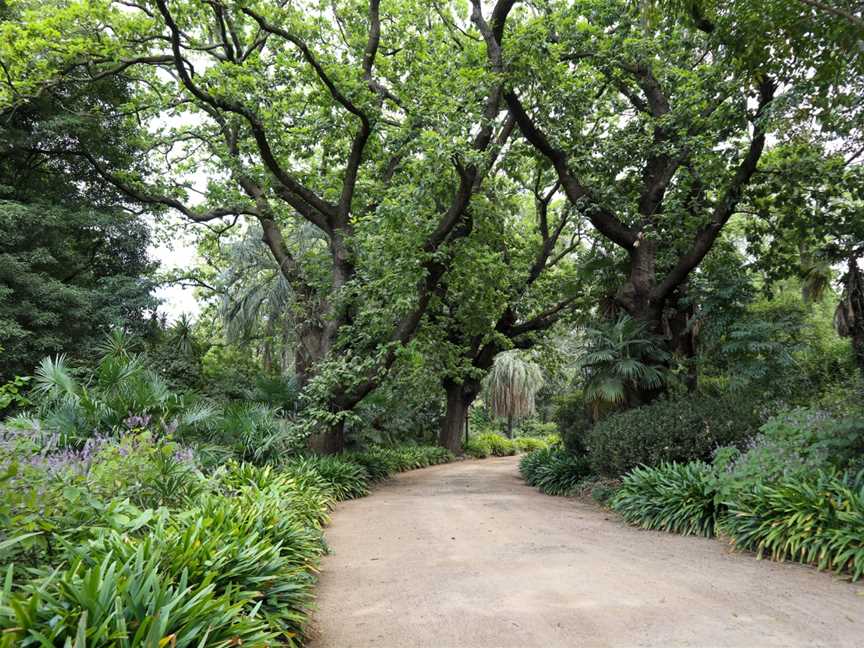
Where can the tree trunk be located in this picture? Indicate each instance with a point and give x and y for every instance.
(681, 332)
(509, 426)
(312, 346)
(858, 351)
(329, 442)
(454, 423)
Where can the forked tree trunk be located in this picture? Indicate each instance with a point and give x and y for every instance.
(453, 425)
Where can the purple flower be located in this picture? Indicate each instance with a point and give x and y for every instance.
(137, 421)
(184, 455)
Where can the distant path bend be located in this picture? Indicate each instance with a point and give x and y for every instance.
(465, 555)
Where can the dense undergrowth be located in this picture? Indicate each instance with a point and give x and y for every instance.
(793, 490)
(126, 541)
(492, 444)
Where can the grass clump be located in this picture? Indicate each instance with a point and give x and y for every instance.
(346, 480)
(818, 520)
(673, 497)
(554, 470)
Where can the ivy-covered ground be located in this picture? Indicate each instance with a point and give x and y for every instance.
(466, 554)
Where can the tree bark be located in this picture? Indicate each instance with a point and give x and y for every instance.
(453, 425)
(330, 441)
(312, 345)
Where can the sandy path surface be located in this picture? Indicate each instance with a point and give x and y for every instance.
(467, 555)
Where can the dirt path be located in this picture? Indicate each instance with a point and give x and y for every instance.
(467, 555)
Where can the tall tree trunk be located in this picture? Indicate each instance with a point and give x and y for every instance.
(635, 298)
(510, 426)
(453, 425)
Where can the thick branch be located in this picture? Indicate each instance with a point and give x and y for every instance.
(604, 220)
(726, 206)
(298, 196)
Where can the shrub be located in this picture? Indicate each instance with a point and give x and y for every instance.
(798, 442)
(374, 462)
(817, 519)
(345, 480)
(678, 498)
(571, 414)
(489, 443)
(670, 431)
(535, 428)
(529, 444)
(554, 470)
(478, 446)
(530, 463)
(401, 458)
(304, 496)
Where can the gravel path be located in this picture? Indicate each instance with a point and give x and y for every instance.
(467, 555)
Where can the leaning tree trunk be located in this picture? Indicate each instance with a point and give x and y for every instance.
(453, 425)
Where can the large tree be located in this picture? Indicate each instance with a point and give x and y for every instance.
(656, 128)
(73, 260)
(322, 112)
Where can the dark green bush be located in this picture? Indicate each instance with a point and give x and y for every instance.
(536, 428)
(817, 519)
(678, 498)
(688, 429)
(571, 415)
(554, 470)
(531, 462)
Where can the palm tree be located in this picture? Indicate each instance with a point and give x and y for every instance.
(621, 364)
(511, 386)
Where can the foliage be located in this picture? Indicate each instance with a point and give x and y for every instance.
(511, 386)
(123, 603)
(668, 430)
(73, 262)
(488, 444)
(529, 444)
(380, 462)
(792, 445)
(12, 394)
(678, 498)
(619, 361)
(127, 543)
(573, 419)
(817, 518)
(67, 277)
(536, 428)
(554, 470)
(251, 431)
(346, 480)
